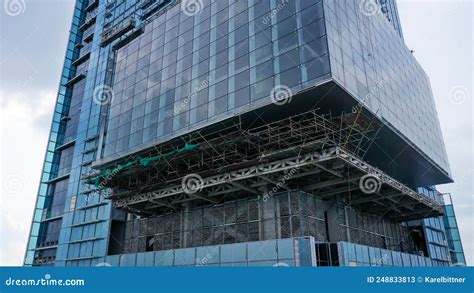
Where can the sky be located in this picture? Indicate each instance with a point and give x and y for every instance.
(32, 47)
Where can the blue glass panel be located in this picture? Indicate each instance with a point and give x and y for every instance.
(113, 260)
(234, 252)
(185, 256)
(264, 250)
(164, 258)
(263, 263)
(127, 260)
(285, 249)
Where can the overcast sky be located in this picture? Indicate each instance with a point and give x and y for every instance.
(33, 41)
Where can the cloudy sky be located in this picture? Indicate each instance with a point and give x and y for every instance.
(33, 41)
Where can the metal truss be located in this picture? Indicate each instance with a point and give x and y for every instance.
(409, 203)
(319, 154)
(239, 175)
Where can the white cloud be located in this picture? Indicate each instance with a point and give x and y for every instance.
(443, 45)
(23, 143)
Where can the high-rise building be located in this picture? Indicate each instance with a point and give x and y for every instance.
(428, 234)
(453, 236)
(389, 8)
(243, 132)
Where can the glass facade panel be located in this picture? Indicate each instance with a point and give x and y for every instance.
(356, 255)
(172, 74)
(213, 67)
(453, 238)
(384, 76)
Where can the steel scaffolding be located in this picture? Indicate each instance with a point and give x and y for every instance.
(315, 153)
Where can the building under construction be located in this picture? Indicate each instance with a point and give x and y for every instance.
(300, 176)
(242, 133)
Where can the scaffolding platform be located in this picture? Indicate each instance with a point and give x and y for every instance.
(319, 154)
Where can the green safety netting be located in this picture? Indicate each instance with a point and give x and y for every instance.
(96, 181)
(188, 147)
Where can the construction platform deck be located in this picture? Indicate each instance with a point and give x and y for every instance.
(316, 153)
